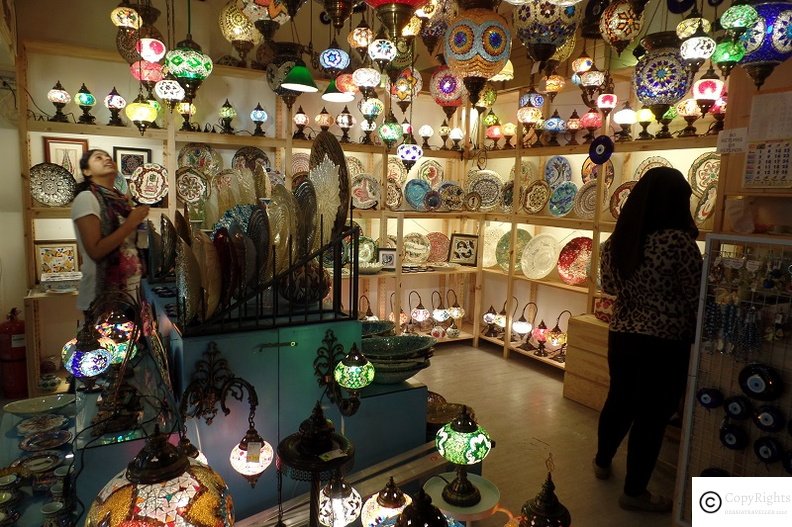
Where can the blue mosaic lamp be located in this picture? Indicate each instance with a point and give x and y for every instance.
(661, 77)
(334, 59)
(543, 26)
(768, 42)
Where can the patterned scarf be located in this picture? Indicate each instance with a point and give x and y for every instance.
(113, 205)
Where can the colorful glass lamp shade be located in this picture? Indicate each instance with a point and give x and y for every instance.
(625, 118)
(456, 311)
(382, 51)
(509, 130)
(227, 114)
(170, 91)
(339, 503)
(333, 60)
(728, 53)
(251, 456)
(558, 338)
(689, 110)
(554, 125)
(85, 359)
(447, 89)
(354, 372)
(540, 335)
(768, 42)
(661, 78)
(696, 49)
(59, 98)
(141, 113)
(409, 152)
(688, 26)
(300, 121)
(444, 131)
(186, 110)
(739, 17)
(161, 478)
(367, 79)
(573, 125)
(333, 94)
(456, 136)
(620, 24)
(360, 37)
(477, 46)
(506, 74)
(239, 30)
(259, 116)
(718, 112)
(387, 503)
(125, 16)
(390, 131)
(707, 90)
(189, 66)
(542, 26)
(117, 332)
(115, 103)
(85, 100)
(426, 132)
(462, 442)
(324, 119)
(591, 121)
(553, 84)
(345, 121)
(151, 49)
(607, 102)
(644, 117)
(299, 79)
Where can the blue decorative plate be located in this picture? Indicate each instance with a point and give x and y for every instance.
(414, 192)
(562, 199)
(557, 171)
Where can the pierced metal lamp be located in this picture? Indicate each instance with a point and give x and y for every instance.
(462, 442)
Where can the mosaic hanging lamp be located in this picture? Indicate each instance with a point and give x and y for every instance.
(188, 64)
(661, 78)
(267, 17)
(237, 29)
(447, 89)
(542, 26)
(768, 42)
(620, 24)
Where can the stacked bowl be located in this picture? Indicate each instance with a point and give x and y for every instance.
(398, 358)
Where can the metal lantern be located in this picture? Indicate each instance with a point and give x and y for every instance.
(447, 89)
(477, 45)
(543, 26)
(661, 78)
(768, 42)
(620, 24)
(238, 30)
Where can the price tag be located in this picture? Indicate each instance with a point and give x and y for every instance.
(253, 452)
(333, 454)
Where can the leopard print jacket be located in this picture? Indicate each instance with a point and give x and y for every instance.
(661, 297)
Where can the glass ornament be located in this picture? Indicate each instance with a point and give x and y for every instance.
(462, 441)
(150, 49)
(620, 24)
(339, 503)
(768, 42)
(542, 26)
(660, 76)
(126, 17)
(739, 17)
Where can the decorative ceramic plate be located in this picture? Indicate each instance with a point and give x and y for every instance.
(149, 183)
(473, 201)
(188, 280)
(45, 440)
(390, 242)
(585, 203)
(416, 248)
(283, 225)
(432, 201)
(536, 197)
(489, 186)
(453, 196)
(439, 245)
(557, 171)
(211, 273)
(619, 198)
(250, 157)
(327, 151)
(504, 248)
(528, 172)
(492, 236)
(431, 171)
(704, 170)
(706, 203)
(367, 250)
(648, 163)
(52, 185)
(396, 170)
(590, 171)
(325, 181)
(41, 423)
(300, 162)
(305, 196)
(365, 190)
(40, 462)
(393, 199)
(39, 405)
(563, 199)
(507, 197)
(355, 167)
(200, 156)
(238, 214)
(191, 185)
(539, 256)
(414, 192)
(574, 260)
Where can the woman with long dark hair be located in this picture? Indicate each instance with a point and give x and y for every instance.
(652, 264)
(105, 223)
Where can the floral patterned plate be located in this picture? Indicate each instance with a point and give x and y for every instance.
(704, 170)
(453, 196)
(528, 172)
(41, 423)
(706, 204)
(504, 248)
(586, 201)
(563, 199)
(539, 256)
(365, 190)
(355, 167)
(367, 250)
(149, 183)
(393, 199)
(440, 244)
(52, 185)
(414, 192)
(491, 237)
(648, 163)
(191, 185)
(536, 197)
(432, 201)
(507, 197)
(432, 172)
(45, 440)
(590, 171)
(574, 261)
(488, 184)
(619, 198)
(200, 156)
(557, 171)
(416, 248)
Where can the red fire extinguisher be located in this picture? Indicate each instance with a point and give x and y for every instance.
(13, 371)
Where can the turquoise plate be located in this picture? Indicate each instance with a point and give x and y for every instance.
(562, 200)
(415, 191)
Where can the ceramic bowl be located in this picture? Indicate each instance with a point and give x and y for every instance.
(398, 347)
(372, 328)
(396, 376)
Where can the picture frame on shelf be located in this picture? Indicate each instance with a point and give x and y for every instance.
(463, 249)
(386, 256)
(57, 257)
(128, 158)
(66, 152)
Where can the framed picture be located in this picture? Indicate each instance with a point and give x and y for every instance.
(387, 257)
(127, 159)
(463, 249)
(66, 152)
(57, 257)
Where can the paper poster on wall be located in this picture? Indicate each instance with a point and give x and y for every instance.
(771, 117)
(767, 164)
(732, 141)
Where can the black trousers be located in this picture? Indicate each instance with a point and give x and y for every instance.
(647, 380)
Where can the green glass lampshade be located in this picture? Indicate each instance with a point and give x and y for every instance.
(463, 441)
(739, 16)
(84, 97)
(491, 119)
(227, 111)
(188, 63)
(390, 132)
(354, 372)
(299, 79)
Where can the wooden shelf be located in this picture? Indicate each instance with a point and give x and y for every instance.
(346, 147)
(761, 193)
(229, 140)
(414, 214)
(552, 221)
(464, 334)
(51, 212)
(366, 213)
(96, 129)
(437, 272)
(543, 281)
(513, 347)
